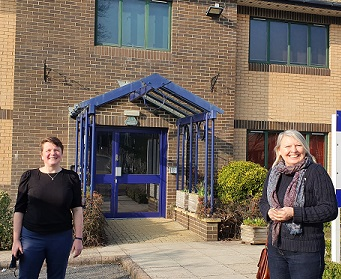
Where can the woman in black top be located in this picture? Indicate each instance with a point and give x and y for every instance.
(48, 212)
(298, 197)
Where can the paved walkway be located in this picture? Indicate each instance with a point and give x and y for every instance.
(161, 248)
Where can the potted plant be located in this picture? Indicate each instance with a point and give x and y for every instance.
(195, 198)
(254, 230)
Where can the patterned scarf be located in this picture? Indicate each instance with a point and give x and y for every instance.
(294, 195)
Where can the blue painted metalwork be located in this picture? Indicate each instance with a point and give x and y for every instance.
(77, 143)
(177, 158)
(183, 158)
(160, 94)
(190, 174)
(86, 150)
(206, 157)
(93, 154)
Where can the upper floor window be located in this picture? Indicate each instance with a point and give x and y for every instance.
(133, 23)
(261, 144)
(288, 43)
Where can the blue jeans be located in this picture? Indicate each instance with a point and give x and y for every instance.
(54, 248)
(295, 265)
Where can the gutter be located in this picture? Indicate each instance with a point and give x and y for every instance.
(311, 3)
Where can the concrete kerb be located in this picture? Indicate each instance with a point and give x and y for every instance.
(93, 256)
(135, 271)
(104, 255)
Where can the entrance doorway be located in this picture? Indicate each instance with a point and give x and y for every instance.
(131, 171)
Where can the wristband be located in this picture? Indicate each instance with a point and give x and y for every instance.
(79, 238)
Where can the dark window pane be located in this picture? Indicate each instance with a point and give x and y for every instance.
(138, 197)
(133, 23)
(139, 153)
(105, 191)
(278, 42)
(255, 148)
(316, 145)
(258, 40)
(318, 45)
(272, 139)
(104, 153)
(107, 22)
(158, 29)
(298, 44)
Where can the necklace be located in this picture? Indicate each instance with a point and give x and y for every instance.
(53, 177)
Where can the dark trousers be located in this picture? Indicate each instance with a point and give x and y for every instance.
(295, 265)
(54, 248)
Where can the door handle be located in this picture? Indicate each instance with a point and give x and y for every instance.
(118, 171)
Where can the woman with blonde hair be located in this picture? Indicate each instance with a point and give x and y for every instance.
(298, 197)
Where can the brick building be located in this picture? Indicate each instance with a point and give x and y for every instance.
(55, 54)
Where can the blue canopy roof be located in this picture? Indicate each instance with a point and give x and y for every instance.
(155, 91)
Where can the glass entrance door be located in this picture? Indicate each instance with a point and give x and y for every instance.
(130, 172)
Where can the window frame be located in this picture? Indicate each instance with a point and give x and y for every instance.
(289, 24)
(146, 26)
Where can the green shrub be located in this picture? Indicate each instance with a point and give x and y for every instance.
(94, 222)
(6, 224)
(257, 222)
(239, 181)
(239, 188)
(332, 270)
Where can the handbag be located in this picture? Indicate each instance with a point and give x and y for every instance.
(263, 266)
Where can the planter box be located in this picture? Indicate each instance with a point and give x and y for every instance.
(253, 234)
(193, 201)
(206, 228)
(181, 199)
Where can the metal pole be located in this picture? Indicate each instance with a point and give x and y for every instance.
(93, 154)
(177, 157)
(212, 164)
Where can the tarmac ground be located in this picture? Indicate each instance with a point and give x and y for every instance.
(153, 248)
(105, 271)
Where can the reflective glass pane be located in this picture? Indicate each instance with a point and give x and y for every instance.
(255, 148)
(139, 153)
(278, 42)
(104, 153)
(158, 29)
(316, 144)
(318, 45)
(258, 40)
(298, 44)
(133, 23)
(105, 191)
(138, 197)
(272, 139)
(107, 22)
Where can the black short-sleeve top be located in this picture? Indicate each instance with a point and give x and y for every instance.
(46, 202)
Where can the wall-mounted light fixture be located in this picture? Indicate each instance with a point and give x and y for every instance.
(214, 11)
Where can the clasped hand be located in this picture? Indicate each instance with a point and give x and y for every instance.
(281, 214)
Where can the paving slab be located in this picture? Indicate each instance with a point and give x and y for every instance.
(155, 248)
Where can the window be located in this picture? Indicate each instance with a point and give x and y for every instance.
(261, 144)
(133, 23)
(288, 43)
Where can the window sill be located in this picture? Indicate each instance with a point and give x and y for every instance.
(301, 70)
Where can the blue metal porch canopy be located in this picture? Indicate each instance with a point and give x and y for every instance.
(157, 94)
(156, 91)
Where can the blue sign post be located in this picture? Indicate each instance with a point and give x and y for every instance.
(336, 177)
